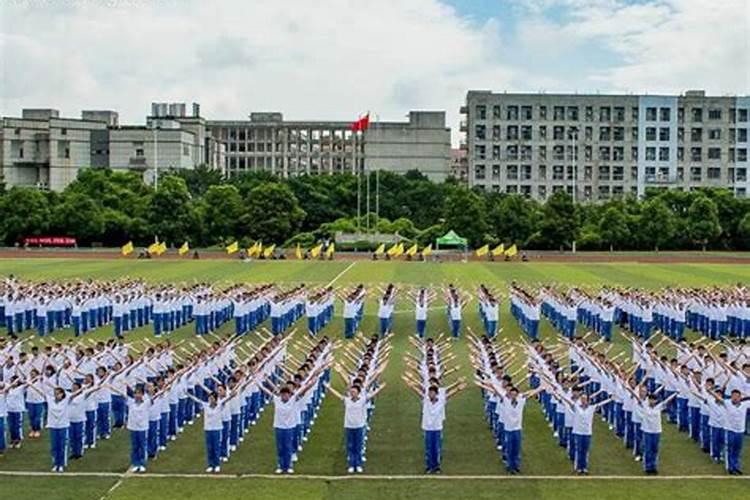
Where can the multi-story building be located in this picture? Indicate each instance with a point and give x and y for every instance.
(287, 148)
(600, 146)
(460, 165)
(42, 150)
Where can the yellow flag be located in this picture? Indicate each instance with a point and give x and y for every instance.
(315, 251)
(127, 248)
(162, 248)
(498, 250)
(153, 248)
(185, 248)
(482, 250)
(380, 250)
(330, 250)
(258, 249)
(400, 250)
(233, 248)
(412, 251)
(511, 251)
(298, 252)
(392, 251)
(426, 251)
(268, 252)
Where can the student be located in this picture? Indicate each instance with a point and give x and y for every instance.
(355, 422)
(58, 422)
(651, 428)
(139, 407)
(420, 312)
(3, 415)
(284, 425)
(15, 394)
(735, 411)
(513, 407)
(583, 418)
(212, 426)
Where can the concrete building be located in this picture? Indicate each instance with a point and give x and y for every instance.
(287, 148)
(600, 146)
(42, 150)
(459, 169)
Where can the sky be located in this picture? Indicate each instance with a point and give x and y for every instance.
(337, 59)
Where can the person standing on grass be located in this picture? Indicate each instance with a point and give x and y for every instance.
(651, 429)
(513, 406)
(583, 418)
(58, 421)
(355, 421)
(213, 427)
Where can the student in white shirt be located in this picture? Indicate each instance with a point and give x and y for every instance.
(513, 406)
(651, 428)
(139, 407)
(212, 427)
(355, 421)
(583, 417)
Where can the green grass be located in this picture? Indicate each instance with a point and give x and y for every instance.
(395, 445)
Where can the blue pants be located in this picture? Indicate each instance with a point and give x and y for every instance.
(349, 327)
(432, 449)
(583, 445)
(512, 450)
(421, 324)
(455, 328)
(650, 451)
(491, 328)
(138, 448)
(58, 443)
(75, 436)
(102, 420)
(2, 434)
(118, 410)
(354, 441)
(717, 443)
(35, 410)
(15, 425)
(284, 450)
(384, 323)
(153, 438)
(213, 448)
(734, 451)
(90, 428)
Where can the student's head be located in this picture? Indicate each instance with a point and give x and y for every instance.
(285, 394)
(432, 392)
(652, 399)
(213, 398)
(59, 394)
(354, 391)
(584, 398)
(513, 392)
(735, 396)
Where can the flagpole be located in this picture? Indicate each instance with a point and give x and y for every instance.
(377, 181)
(359, 183)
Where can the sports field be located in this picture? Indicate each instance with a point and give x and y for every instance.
(471, 466)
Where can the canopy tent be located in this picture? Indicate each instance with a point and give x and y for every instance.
(451, 239)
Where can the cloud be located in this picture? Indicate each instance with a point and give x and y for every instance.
(334, 59)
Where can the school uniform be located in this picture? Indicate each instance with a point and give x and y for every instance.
(433, 416)
(284, 424)
(651, 427)
(513, 411)
(735, 422)
(355, 421)
(77, 417)
(420, 315)
(213, 426)
(582, 426)
(58, 421)
(138, 425)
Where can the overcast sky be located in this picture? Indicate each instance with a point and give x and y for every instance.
(335, 59)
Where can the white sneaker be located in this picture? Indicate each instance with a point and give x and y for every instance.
(54, 469)
(172, 438)
(217, 469)
(233, 448)
(134, 468)
(637, 459)
(359, 470)
(350, 470)
(295, 458)
(225, 459)
(290, 471)
(278, 471)
(210, 469)
(142, 469)
(162, 448)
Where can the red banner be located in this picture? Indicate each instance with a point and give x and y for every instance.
(50, 241)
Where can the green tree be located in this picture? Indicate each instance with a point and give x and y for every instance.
(172, 216)
(221, 207)
(512, 218)
(613, 228)
(200, 179)
(703, 221)
(743, 231)
(23, 212)
(465, 213)
(272, 213)
(657, 223)
(560, 223)
(78, 215)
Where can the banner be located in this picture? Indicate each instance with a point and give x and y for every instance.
(127, 248)
(185, 248)
(50, 241)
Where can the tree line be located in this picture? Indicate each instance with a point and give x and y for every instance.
(110, 207)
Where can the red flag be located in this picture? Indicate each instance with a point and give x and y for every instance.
(361, 123)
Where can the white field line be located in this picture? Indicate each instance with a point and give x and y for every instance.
(128, 476)
(334, 280)
(114, 486)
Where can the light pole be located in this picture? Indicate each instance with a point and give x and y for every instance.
(154, 128)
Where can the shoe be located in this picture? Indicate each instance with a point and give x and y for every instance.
(142, 469)
(134, 468)
(162, 448)
(210, 469)
(350, 470)
(217, 470)
(360, 470)
(225, 459)
(278, 471)
(233, 448)
(638, 458)
(172, 438)
(290, 471)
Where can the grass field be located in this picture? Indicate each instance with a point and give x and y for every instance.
(471, 466)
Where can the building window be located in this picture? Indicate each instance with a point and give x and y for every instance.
(650, 114)
(714, 114)
(650, 154)
(479, 172)
(543, 132)
(603, 173)
(696, 154)
(526, 112)
(604, 133)
(742, 115)
(696, 174)
(650, 133)
(714, 153)
(481, 112)
(696, 114)
(495, 172)
(714, 173)
(618, 133)
(663, 154)
(714, 134)
(618, 173)
(511, 133)
(512, 172)
(589, 112)
(526, 132)
(139, 152)
(542, 112)
(558, 133)
(186, 150)
(558, 172)
(512, 113)
(480, 132)
(496, 114)
(573, 113)
(558, 113)
(696, 134)
(664, 134)
(665, 114)
(619, 113)
(542, 172)
(605, 114)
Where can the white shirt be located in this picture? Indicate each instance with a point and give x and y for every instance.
(583, 420)
(355, 412)
(433, 414)
(57, 413)
(284, 414)
(651, 418)
(735, 416)
(212, 417)
(513, 413)
(138, 414)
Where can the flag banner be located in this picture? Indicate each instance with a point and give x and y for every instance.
(427, 251)
(268, 252)
(315, 251)
(511, 251)
(498, 250)
(127, 248)
(400, 250)
(380, 250)
(185, 248)
(153, 248)
(330, 250)
(482, 250)
(233, 248)
(392, 251)
(162, 248)
(298, 252)
(412, 251)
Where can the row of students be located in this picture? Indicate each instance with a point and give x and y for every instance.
(455, 301)
(489, 310)
(526, 309)
(319, 308)
(425, 376)
(354, 306)
(386, 305)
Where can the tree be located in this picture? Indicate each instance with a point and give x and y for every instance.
(613, 228)
(200, 179)
(23, 212)
(560, 222)
(172, 215)
(657, 223)
(743, 231)
(512, 218)
(272, 213)
(465, 213)
(78, 215)
(703, 221)
(221, 207)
